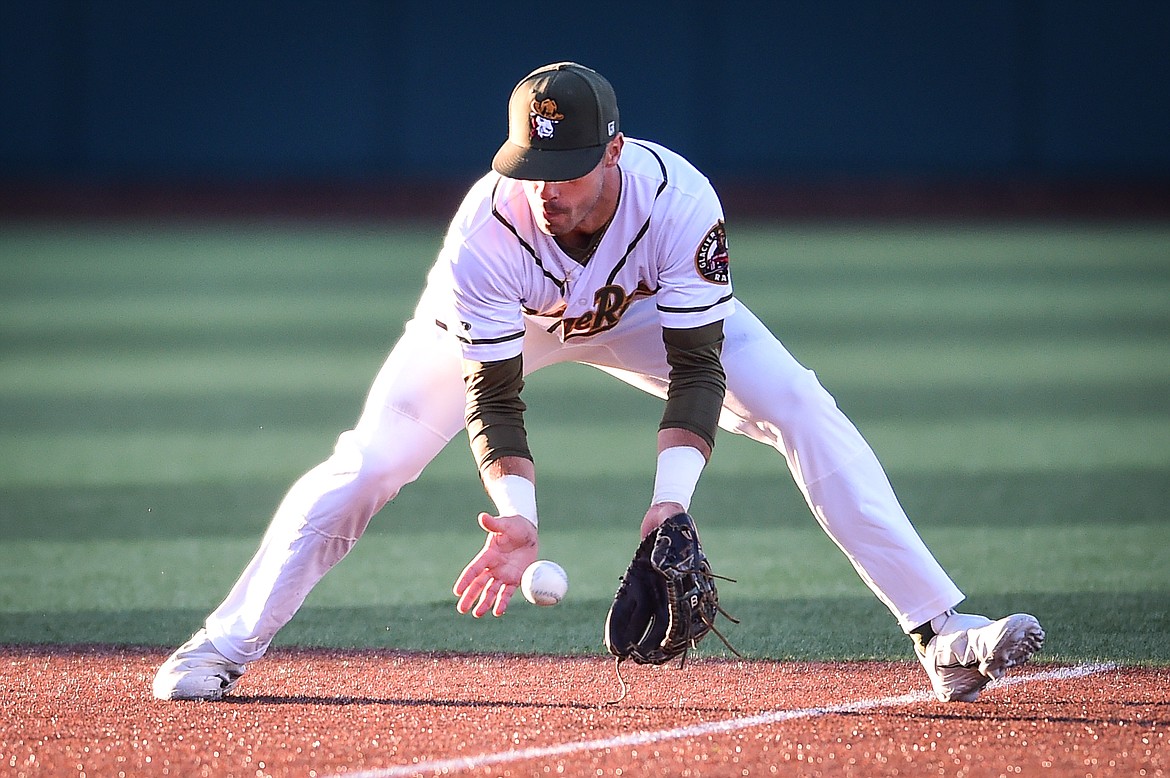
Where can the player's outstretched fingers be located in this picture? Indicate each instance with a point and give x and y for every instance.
(470, 587)
(488, 598)
(502, 600)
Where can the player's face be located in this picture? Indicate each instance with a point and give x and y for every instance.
(581, 205)
(560, 207)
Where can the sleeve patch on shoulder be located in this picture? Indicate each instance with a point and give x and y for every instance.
(712, 260)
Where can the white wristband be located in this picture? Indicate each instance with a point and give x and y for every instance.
(514, 495)
(679, 468)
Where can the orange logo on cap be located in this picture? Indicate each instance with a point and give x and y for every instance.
(547, 109)
(544, 117)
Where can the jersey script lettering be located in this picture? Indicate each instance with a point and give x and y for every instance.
(610, 303)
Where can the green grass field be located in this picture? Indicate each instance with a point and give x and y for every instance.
(160, 388)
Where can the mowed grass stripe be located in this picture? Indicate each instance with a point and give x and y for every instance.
(120, 253)
(84, 262)
(884, 364)
(795, 562)
(373, 323)
(890, 299)
(327, 412)
(1101, 443)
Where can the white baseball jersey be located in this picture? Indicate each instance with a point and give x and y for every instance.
(666, 239)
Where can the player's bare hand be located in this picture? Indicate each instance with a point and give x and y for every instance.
(493, 575)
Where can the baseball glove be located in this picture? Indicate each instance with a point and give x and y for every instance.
(667, 600)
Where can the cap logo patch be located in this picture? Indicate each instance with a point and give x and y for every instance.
(712, 260)
(544, 116)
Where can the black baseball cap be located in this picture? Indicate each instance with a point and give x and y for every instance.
(560, 118)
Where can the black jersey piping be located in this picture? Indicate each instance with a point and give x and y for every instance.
(527, 247)
(478, 341)
(646, 225)
(696, 309)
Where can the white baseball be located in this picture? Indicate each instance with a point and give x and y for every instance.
(544, 583)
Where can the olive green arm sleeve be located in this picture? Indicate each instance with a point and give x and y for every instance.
(494, 414)
(697, 381)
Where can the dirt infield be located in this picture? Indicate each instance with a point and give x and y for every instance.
(87, 711)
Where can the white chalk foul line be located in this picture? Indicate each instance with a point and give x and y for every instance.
(444, 766)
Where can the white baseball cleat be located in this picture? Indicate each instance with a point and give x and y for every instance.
(971, 651)
(196, 671)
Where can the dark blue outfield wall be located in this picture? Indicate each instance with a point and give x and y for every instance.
(244, 90)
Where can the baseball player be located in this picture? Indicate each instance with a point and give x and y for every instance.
(585, 245)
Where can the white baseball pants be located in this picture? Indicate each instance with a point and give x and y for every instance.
(415, 407)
